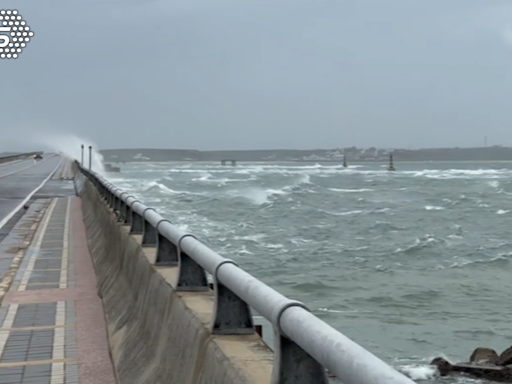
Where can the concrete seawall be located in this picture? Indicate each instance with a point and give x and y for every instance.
(156, 334)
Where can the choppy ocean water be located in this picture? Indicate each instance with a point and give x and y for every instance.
(411, 264)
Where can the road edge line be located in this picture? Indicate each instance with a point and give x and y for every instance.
(13, 212)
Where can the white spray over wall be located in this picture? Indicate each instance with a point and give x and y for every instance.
(70, 146)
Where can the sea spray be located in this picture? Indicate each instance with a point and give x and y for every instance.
(70, 146)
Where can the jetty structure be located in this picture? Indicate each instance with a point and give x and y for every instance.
(226, 161)
(391, 165)
(111, 169)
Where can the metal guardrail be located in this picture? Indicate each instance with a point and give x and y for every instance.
(304, 344)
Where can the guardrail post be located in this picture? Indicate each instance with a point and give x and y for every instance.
(127, 211)
(166, 252)
(120, 207)
(137, 222)
(110, 195)
(103, 190)
(113, 197)
(293, 365)
(103, 187)
(116, 207)
(128, 215)
(106, 194)
(191, 276)
(231, 315)
(149, 236)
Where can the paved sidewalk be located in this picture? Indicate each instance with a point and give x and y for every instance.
(52, 324)
(64, 172)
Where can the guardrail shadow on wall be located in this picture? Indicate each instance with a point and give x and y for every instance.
(305, 346)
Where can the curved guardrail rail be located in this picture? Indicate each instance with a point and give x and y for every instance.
(304, 344)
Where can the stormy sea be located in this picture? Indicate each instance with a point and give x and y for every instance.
(410, 264)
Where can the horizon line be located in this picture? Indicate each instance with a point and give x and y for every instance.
(299, 149)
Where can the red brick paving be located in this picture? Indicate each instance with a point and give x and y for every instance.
(93, 355)
(94, 362)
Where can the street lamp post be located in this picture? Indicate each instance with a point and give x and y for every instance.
(90, 157)
(82, 155)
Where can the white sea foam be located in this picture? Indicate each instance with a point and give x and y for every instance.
(351, 190)
(434, 208)
(70, 146)
(420, 372)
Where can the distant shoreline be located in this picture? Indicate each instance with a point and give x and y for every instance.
(353, 155)
(340, 162)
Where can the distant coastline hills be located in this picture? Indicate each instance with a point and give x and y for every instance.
(353, 154)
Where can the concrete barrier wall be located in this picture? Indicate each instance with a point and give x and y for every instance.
(158, 335)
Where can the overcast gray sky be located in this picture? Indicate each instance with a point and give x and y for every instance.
(226, 74)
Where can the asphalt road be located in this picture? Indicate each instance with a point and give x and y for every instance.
(6, 168)
(14, 188)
